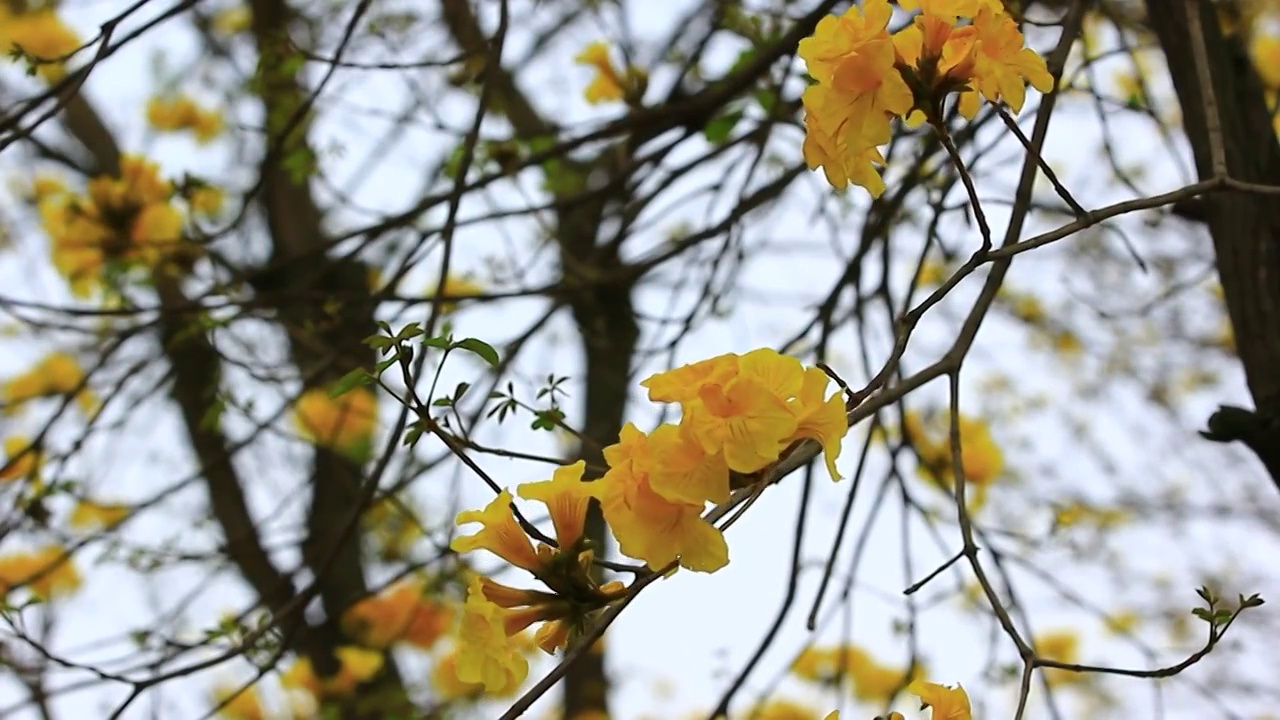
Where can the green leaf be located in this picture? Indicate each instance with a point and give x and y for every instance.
(479, 347)
(718, 128)
(359, 376)
(440, 341)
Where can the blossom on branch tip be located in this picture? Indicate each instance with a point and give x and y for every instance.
(500, 534)
(567, 498)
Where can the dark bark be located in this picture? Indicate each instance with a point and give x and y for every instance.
(1245, 227)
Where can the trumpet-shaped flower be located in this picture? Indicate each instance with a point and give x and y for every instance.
(607, 84)
(647, 525)
(742, 419)
(500, 534)
(684, 472)
(1003, 63)
(946, 703)
(567, 498)
(680, 385)
(486, 655)
(821, 418)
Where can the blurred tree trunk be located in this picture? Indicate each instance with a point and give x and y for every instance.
(1245, 227)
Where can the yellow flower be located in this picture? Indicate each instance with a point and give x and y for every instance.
(981, 458)
(1003, 63)
(58, 373)
(235, 703)
(344, 423)
(47, 572)
(821, 418)
(782, 710)
(500, 534)
(456, 286)
(1062, 646)
(206, 200)
(742, 419)
(933, 272)
(178, 113)
(42, 35)
(90, 515)
(23, 459)
(447, 685)
(486, 655)
(681, 384)
(648, 526)
(158, 224)
(1265, 51)
(1122, 622)
(356, 665)
(608, 84)
(947, 703)
(682, 471)
(566, 497)
(400, 613)
(841, 164)
(847, 112)
(872, 681)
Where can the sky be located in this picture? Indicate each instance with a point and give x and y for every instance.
(676, 649)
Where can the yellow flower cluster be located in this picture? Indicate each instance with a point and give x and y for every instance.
(403, 612)
(130, 220)
(57, 374)
(344, 423)
(981, 458)
(872, 681)
(356, 665)
(740, 413)
(41, 35)
(609, 84)
(179, 112)
(46, 573)
(866, 76)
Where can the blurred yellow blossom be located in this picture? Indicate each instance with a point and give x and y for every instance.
(946, 703)
(237, 703)
(609, 84)
(1265, 51)
(42, 35)
(403, 612)
(1061, 646)
(46, 572)
(91, 515)
(345, 423)
(981, 458)
(21, 459)
(58, 373)
(232, 20)
(179, 113)
(356, 665)
(456, 286)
